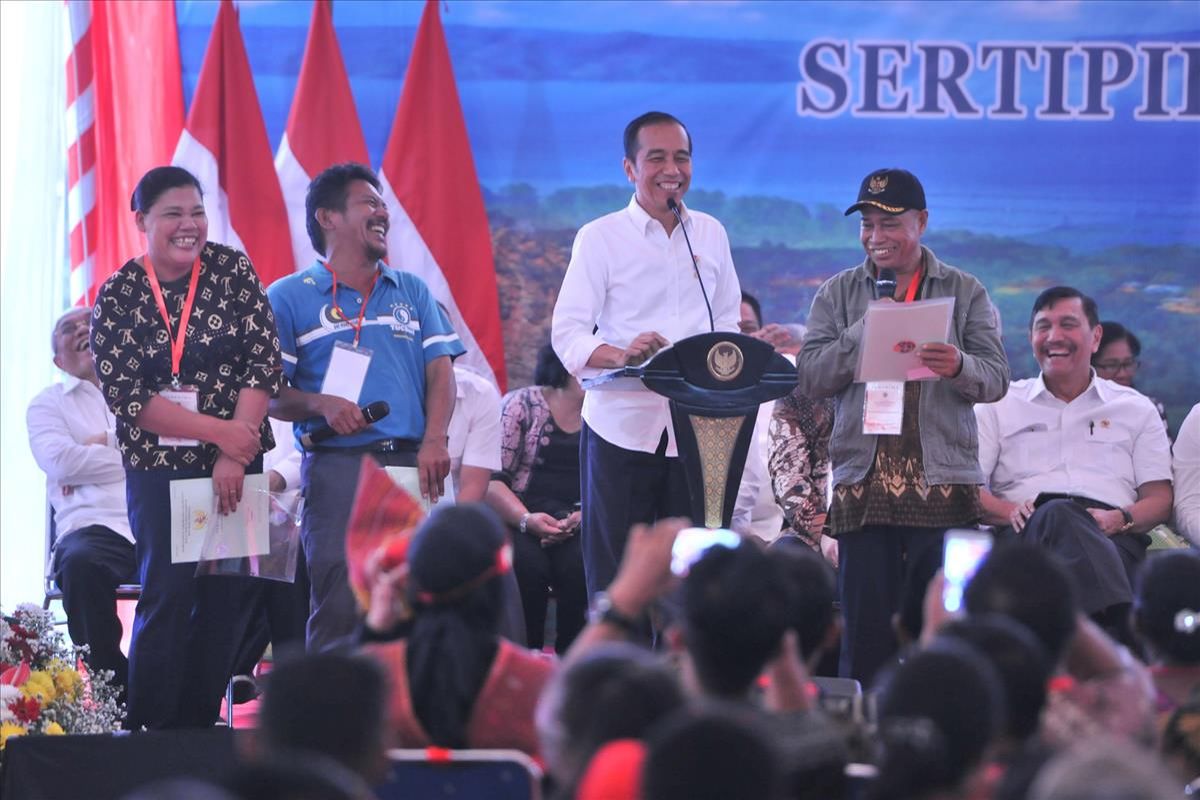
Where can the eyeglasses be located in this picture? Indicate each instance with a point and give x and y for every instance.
(1113, 367)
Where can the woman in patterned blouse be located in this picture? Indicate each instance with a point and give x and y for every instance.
(187, 354)
(536, 492)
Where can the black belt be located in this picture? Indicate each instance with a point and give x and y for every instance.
(380, 446)
(1078, 499)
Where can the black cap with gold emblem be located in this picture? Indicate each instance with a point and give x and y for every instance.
(892, 190)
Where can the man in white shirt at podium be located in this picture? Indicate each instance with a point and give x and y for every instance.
(639, 280)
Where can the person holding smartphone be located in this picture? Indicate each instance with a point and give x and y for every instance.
(536, 492)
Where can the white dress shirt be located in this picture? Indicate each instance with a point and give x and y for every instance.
(627, 277)
(474, 428)
(59, 419)
(1187, 477)
(1104, 444)
(756, 511)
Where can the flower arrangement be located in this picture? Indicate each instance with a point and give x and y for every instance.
(45, 687)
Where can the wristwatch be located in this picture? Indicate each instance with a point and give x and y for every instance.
(1128, 517)
(524, 524)
(603, 611)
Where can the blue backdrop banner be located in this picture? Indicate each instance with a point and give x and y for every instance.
(1057, 142)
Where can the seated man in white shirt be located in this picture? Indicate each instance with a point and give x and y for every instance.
(639, 279)
(72, 435)
(1074, 461)
(1186, 467)
(474, 435)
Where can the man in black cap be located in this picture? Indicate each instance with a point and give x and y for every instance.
(900, 480)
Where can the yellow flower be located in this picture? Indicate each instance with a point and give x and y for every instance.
(39, 685)
(67, 682)
(8, 729)
(53, 729)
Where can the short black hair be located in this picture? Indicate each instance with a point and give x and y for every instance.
(329, 703)
(1166, 589)
(1020, 662)
(1055, 293)
(329, 190)
(157, 181)
(752, 301)
(737, 603)
(550, 370)
(716, 750)
(1114, 332)
(649, 118)
(1023, 581)
(814, 588)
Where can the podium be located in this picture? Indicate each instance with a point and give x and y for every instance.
(714, 384)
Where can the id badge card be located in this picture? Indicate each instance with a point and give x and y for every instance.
(189, 398)
(347, 371)
(883, 408)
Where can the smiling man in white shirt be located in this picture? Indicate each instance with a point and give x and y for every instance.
(73, 439)
(1076, 462)
(632, 288)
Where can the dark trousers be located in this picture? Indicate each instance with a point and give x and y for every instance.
(1103, 566)
(89, 565)
(874, 564)
(279, 618)
(187, 629)
(330, 479)
(538, 569)
(621, 487)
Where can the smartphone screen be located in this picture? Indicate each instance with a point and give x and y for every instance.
(964, 549)
(691, 543)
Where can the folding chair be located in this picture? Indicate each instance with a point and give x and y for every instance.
(126, 591)
(436, 773)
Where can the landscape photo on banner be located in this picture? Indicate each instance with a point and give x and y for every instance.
(1059, 143)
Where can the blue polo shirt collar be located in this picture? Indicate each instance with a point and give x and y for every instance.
(323, 277)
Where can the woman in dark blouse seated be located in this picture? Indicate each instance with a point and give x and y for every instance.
(536, 492)
(187, 356)
(455, 682)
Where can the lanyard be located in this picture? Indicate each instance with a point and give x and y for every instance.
(184, 316)
(357, 325)
(911, 292)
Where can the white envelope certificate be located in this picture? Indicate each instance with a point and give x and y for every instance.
(892, 333)
(199, 531)
(409, 479)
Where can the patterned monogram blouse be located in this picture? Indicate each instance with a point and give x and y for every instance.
(231, 343)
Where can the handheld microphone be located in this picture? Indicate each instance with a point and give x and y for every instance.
(885, 284)
(371, 413)
(671, 204)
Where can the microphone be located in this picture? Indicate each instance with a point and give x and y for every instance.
(671, 204)
(885, 284)
(372, 413)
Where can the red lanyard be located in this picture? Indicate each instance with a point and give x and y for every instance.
(185, 315)
(357, 325)
(911, 292)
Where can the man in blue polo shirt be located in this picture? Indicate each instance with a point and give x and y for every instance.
(354, 331)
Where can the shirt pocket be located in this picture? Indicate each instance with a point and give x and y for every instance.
(1107, 443)
(1025, 448)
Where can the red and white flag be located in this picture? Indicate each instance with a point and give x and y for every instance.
(224, 144)
(439, 228)
(322, 127)
(124, 115)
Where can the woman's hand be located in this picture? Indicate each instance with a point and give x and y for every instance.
(237, 440)
(227, 478)
(388, 606)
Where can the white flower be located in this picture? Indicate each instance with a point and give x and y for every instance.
(8, 694)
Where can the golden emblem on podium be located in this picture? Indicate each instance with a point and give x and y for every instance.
(725, 361)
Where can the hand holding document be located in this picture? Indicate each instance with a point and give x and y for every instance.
(893, 334)
(199, 532)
